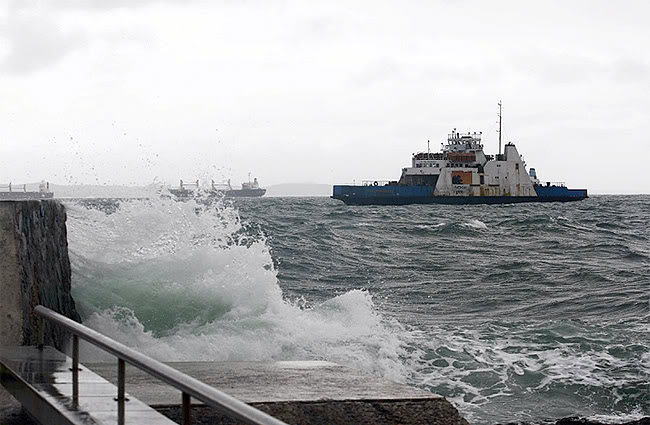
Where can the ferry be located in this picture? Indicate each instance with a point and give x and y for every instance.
(461, 174)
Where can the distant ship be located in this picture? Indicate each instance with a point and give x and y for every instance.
(248, 189)
(186, 191)
(461, 174)
(11, 192)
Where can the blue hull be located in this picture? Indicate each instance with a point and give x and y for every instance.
(404, 195)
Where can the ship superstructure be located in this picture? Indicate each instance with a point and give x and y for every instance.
(248, 189)
(461, 173)
(463, 169)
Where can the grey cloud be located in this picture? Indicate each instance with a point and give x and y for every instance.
(559, 69)
(631, 71)
(378, 71)
(571, 70)
(320, 27)
(462, 72)
(35, 43)
(91, 4)
(381, 70)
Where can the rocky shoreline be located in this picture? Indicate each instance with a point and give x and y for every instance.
(576, 420)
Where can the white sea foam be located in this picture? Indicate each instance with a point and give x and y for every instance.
(471, 359)
(180, 285)
(429, 226)
(620, 418)
(476, 224)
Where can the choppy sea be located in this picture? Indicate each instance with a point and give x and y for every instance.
(525, 312)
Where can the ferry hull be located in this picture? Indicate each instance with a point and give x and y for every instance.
(405, 195)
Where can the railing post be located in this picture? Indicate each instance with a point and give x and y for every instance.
(190, 387)
(41, 332)
(75, 369)
(121, 375)
(187, 413)
(75, 353)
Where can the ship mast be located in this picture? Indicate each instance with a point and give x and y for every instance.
(499, 130)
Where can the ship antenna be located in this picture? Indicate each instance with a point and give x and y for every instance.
(499, 131)
(428, 148)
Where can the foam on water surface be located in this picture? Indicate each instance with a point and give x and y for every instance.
(515, 313)
(181, 281)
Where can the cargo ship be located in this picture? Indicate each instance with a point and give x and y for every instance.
(187, 191)
(248, 189)
(461, 174)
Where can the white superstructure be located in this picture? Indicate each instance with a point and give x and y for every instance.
(463, 169)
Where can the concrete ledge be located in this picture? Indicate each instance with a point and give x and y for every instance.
(34, 269)
(337, 412)
(297, 392)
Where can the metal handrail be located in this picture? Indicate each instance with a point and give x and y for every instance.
(189, 386)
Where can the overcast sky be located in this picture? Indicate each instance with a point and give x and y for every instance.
(136, 91)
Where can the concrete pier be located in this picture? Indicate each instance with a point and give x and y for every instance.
(297, 392)
(34, 269)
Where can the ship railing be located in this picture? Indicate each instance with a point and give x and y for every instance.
(220, 186)
(549, 183)
(189, 387)
(375, 182)
(428, 156)
(457, 137)
(189, 186)
(13, 188)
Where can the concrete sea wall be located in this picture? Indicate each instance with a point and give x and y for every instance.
(34, 269)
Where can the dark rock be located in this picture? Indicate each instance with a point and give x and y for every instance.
(575, 420)
(15, 416)
(338, 412)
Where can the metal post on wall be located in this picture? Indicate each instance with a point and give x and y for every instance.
(75, 370)
(121, 377)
